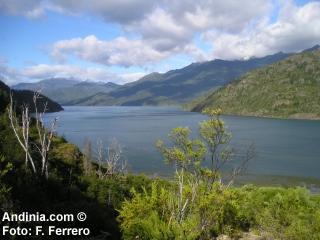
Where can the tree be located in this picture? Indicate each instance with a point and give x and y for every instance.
(110, 159)
(188, 154)
(185, 154)
(197, 187)
(217, 138)
(21, 129)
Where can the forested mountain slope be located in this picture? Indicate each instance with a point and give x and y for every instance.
(287, 89)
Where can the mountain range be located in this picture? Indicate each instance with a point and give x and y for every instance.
(286, 89)
(181, 85)
(173, 87)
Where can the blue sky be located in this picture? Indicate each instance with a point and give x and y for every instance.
(123, 40)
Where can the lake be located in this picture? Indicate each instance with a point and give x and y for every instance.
(284, 148)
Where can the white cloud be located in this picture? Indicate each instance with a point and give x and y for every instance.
(164, 28)
(130, 77)
(7, 74)
(30, 8)
(172, 25)
(119, 11)
(162, 31)
(295, 29)
(119, 51)
(44, 71)
(227, 15)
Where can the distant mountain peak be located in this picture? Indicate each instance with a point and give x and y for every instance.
(111, 84)
(280, 53)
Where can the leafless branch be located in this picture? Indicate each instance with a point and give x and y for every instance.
(44, 136)
(24, 142)
(110, 159)
(237, 171)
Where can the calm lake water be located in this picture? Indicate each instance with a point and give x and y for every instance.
(283, 147)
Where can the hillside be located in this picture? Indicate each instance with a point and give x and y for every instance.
(180, 85)
(4, 96)
(21, 97)
(287, 89)
(64, 90)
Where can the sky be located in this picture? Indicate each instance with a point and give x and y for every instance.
(122, 40)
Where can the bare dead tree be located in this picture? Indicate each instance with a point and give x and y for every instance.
(110, 159)
(110, 162)
(114, 161)
(44, 136)
(25, 128)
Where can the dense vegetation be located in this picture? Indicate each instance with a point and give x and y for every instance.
(266, 213)
(199, 203)
(287, 89)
